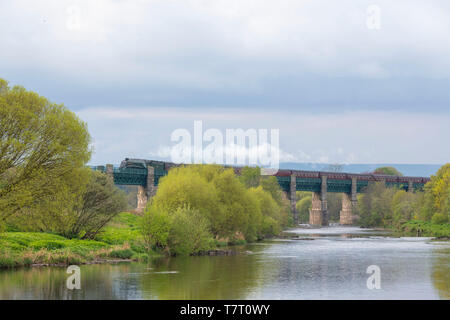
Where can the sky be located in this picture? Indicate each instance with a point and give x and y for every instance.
(343, 81)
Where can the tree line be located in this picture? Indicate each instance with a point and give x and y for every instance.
(198, 206)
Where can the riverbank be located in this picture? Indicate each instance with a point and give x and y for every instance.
(120, 241)
(418, 228)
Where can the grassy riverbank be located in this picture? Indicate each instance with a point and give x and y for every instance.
(425, 229)
(120, 240)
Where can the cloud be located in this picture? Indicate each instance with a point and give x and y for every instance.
(285, 54)
(347, 137)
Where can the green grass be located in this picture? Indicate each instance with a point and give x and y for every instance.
(426, 229)
(123, 229)
(121, 239)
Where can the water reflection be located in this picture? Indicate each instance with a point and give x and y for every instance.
(222, 277)
(326, 266)
(441, 273)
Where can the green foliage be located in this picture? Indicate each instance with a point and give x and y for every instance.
(404, 206)
(303, 206)
(390, 171)
(439, 218)
(124, 228)
(215, 192)
(250, 176)
(334, 204)
(98, 205)
(213, 199)
(269, 226)
(182, 232)
(390, 207)
(427, 229)
(272, 214)
(270, 184)
(47, 244)
(155, 227)
(374, 206)
(121, 254)
(189, 232)
(41, 145)
(437, 195)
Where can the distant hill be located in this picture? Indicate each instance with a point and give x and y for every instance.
(419, 170)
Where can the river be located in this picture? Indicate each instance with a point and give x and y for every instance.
(326, 263)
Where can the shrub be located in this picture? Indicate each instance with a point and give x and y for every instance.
(189, 232)
(439, 218)
(140, 257)
(155, 227)
(303, 206)
(270, 227)
(121, 253)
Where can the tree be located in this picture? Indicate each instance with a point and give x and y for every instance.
(270, 184)
(250, 176)
(437, 195)
(404, 206)
(187, 187)
(182, 232)
(189, 232)
(303, 206)
(390, 171)
(155, 228)
(41, 144)
(101, 202)
(273, 217)
(232, 210)
(375, 205)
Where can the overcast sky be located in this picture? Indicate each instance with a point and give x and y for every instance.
(341, 87)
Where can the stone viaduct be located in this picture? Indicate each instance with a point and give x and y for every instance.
(145, 174)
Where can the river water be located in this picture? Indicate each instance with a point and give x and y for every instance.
(326, 263)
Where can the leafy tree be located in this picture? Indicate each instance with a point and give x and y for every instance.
(439, 218)
(189, 232)
(53, 213)
(374, 206)
(187, 187)
(270, 184)
(100, 202)
(390, 171)
(334, 205)
(155, 227)
(404, 206)
(437, 195)
(182, 232)
(269, 208)
(41, 144)
(303, 206)
(232, 210)
(250, 176)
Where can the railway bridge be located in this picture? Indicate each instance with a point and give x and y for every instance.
(146, 175)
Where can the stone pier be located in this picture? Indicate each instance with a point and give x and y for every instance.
(346, 214)
(293, 198)
(315, 214)
(145, 193)
(318, 215)
(141, 199)
(349, 201)
(410, 186)
(110, 171)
